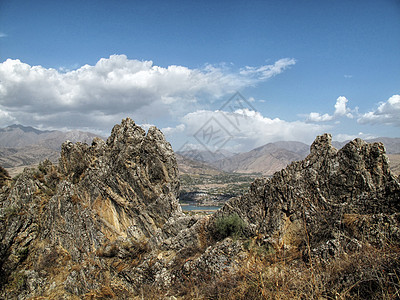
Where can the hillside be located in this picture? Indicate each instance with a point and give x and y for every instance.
(19, 136)
(205, 156)
(24, 146)
(26, 156)
(190, 166)
(394, 162)
(266, 160)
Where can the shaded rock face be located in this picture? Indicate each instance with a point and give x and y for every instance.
(107, 221)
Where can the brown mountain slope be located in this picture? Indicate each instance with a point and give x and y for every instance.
(394, 162)
(26, 156)
(266, 159)
(24, 146)
(189, 166)
(18, 136)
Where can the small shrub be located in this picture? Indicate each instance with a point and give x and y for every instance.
(231, 225)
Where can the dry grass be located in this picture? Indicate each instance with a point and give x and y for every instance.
(367, 273)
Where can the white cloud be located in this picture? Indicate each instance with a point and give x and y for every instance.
(316, 117)
(171, 130)
(341, 110)
(2, 35)
(341, 137)
(212, 128)
(146, 126)
(348, 76)
(5, 118)
(268, 71)
(115, 87)
(387, 113)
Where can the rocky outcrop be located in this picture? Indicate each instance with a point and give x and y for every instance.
(107, 222)
(308, 205)
(130, 181)
(99, 196)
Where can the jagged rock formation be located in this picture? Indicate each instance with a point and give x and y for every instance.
(319, 192)
(106, 222)
(130, 181)
(123, 189)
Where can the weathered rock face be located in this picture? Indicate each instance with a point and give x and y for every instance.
(315, 196)
(122, 189)
(106, 222)
(131, 181)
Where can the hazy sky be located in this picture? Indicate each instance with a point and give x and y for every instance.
(302, 68)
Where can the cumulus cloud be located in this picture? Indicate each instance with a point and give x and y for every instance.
(387, 113)
(214, 128)
(341, 110)
(113, 87)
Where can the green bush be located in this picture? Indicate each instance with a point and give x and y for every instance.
(231, 225)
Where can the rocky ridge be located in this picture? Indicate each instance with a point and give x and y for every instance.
(319, 192)
(121, 189)
(107, 223)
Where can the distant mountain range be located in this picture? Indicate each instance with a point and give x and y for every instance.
(273, 157)
(266, 159)
(24, 146)
(206, 156)
(189, 166)
(18, 136)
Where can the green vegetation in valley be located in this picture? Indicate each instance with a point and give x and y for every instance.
(206, 189)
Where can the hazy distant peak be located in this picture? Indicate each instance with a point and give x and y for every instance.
(26, 129)
(18, 136)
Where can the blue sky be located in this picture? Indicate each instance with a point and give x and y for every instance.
(304, 68)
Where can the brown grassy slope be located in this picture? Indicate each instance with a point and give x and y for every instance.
(394, 163)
